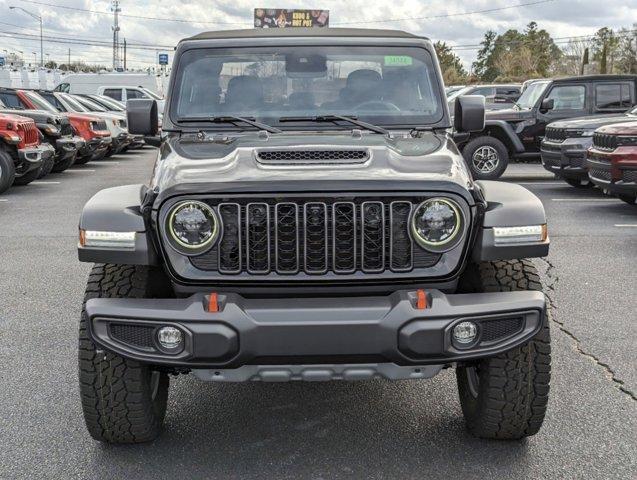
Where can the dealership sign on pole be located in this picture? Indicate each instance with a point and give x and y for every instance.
(280, 18)
(163, 59)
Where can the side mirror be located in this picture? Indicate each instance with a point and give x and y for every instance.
(142, 117)
(547, 104)
(469, 114)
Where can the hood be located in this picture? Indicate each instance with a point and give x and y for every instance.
(508, 114)
(626, 128)
(39, 116)
(81, 117)
(592, 122)
(6, 116)
(227, 164)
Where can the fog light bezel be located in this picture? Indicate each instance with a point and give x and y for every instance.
(174, 350)
(474, 341)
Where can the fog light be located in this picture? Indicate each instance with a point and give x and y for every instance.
(465, 332)
(170, 338)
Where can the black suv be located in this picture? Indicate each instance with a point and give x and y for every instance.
(518, 132)
(310, 218)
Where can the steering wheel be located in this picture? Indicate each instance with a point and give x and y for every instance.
(378, 105)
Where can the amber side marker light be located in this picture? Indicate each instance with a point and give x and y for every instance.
(421, 300)
(213, 302)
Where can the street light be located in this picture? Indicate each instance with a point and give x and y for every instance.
(39, 18)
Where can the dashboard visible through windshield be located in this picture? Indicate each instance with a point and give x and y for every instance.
(384, 85)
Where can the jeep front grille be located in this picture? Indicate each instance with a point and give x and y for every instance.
(603, 141)
(555, 134)
(315, 237)
(312, 157)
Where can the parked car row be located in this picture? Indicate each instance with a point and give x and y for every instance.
(567, 111)
(43, 132)
(496, 97)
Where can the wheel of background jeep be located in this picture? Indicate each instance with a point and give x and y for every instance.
(64, 164)
(7, 170)
(579, 182)
(82, 160)
(27, 177)
(46, 167)
(123, 401)
(630, 200)
(505, 397)
(487, 157)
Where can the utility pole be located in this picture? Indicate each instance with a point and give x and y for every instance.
(124, 54)
(115, 9)
(69, 64)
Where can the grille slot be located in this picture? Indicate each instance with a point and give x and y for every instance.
(31, 133)
(555, 134)
(629, 176)
(600, 174)
(603, 141)
(140, 336)
(296, 157)
(500, 328)
(315, 236)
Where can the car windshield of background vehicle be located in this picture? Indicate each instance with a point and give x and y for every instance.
(40, 102)
(74, 104)
(111, 105)
(382, 85)
(92, 106)
(531, 95)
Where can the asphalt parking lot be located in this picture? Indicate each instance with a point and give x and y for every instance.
(377, 429)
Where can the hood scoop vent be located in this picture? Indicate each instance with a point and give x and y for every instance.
(314, 156)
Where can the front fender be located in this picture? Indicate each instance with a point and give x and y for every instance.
(508, 205)
(117, 209)
(507, 130)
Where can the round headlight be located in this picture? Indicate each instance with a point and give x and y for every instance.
(437, 224)
(192, 227)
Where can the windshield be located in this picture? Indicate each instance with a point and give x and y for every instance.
(74, 104)
(383, 85)
(40, 102)
(107, 103)
(92, 106)
(533, 92)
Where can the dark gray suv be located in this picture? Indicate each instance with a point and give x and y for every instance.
(309, 217)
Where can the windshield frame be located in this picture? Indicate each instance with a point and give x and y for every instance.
(39, 101)
(531, 87)
(269, 45)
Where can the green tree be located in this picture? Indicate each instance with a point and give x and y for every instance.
(483, 66)
(452, 70)
(627, 54)
(605, 49)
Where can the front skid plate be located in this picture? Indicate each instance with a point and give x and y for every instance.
(317, 373)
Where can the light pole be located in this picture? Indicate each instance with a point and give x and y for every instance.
(39, 18)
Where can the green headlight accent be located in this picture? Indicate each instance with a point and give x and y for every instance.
(436, 223)
(193, 226)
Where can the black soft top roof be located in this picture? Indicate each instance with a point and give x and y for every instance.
(583, 78)
(302, 32)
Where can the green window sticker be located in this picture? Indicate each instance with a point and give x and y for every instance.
(398, 60)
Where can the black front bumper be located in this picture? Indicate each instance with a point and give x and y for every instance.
(601, 174)
(67, 147)
(31, 158)
(566, 159)
(120, 142)
(382, 329)
(95, 145)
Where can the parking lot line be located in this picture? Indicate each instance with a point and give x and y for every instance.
(4, 199)
(585, 199)
(626, 225)
(42, 182)
(82, 170)
(554, 184)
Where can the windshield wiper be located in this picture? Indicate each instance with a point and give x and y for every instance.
(234, 120)
(336, 118)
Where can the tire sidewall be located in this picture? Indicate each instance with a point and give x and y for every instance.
(474, 145)
(7, 170)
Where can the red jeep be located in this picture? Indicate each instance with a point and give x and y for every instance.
(21, 152)
(612, 160)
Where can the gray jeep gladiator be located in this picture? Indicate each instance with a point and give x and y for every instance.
(309, 217)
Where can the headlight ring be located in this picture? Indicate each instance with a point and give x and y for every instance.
(438, 224)
(192, 227)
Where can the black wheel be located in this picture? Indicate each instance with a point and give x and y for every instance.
(630, 200)
(579, 182)
(64, 164)
(82, 160)
(47, 167)
(27, 177)
(505, 397)
(7, 170)
(123, 401)
(487, 157)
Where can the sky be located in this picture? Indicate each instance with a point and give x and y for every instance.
(446, 20)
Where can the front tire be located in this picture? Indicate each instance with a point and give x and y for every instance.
(123, 401)
(505, 396)
(579, 182)
(64, 164)
(27, 177)
(7, 170)
(487, 157)
(46, 167)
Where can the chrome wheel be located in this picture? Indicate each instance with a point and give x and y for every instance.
(485, 159)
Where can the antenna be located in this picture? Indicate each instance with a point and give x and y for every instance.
(115, 9)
